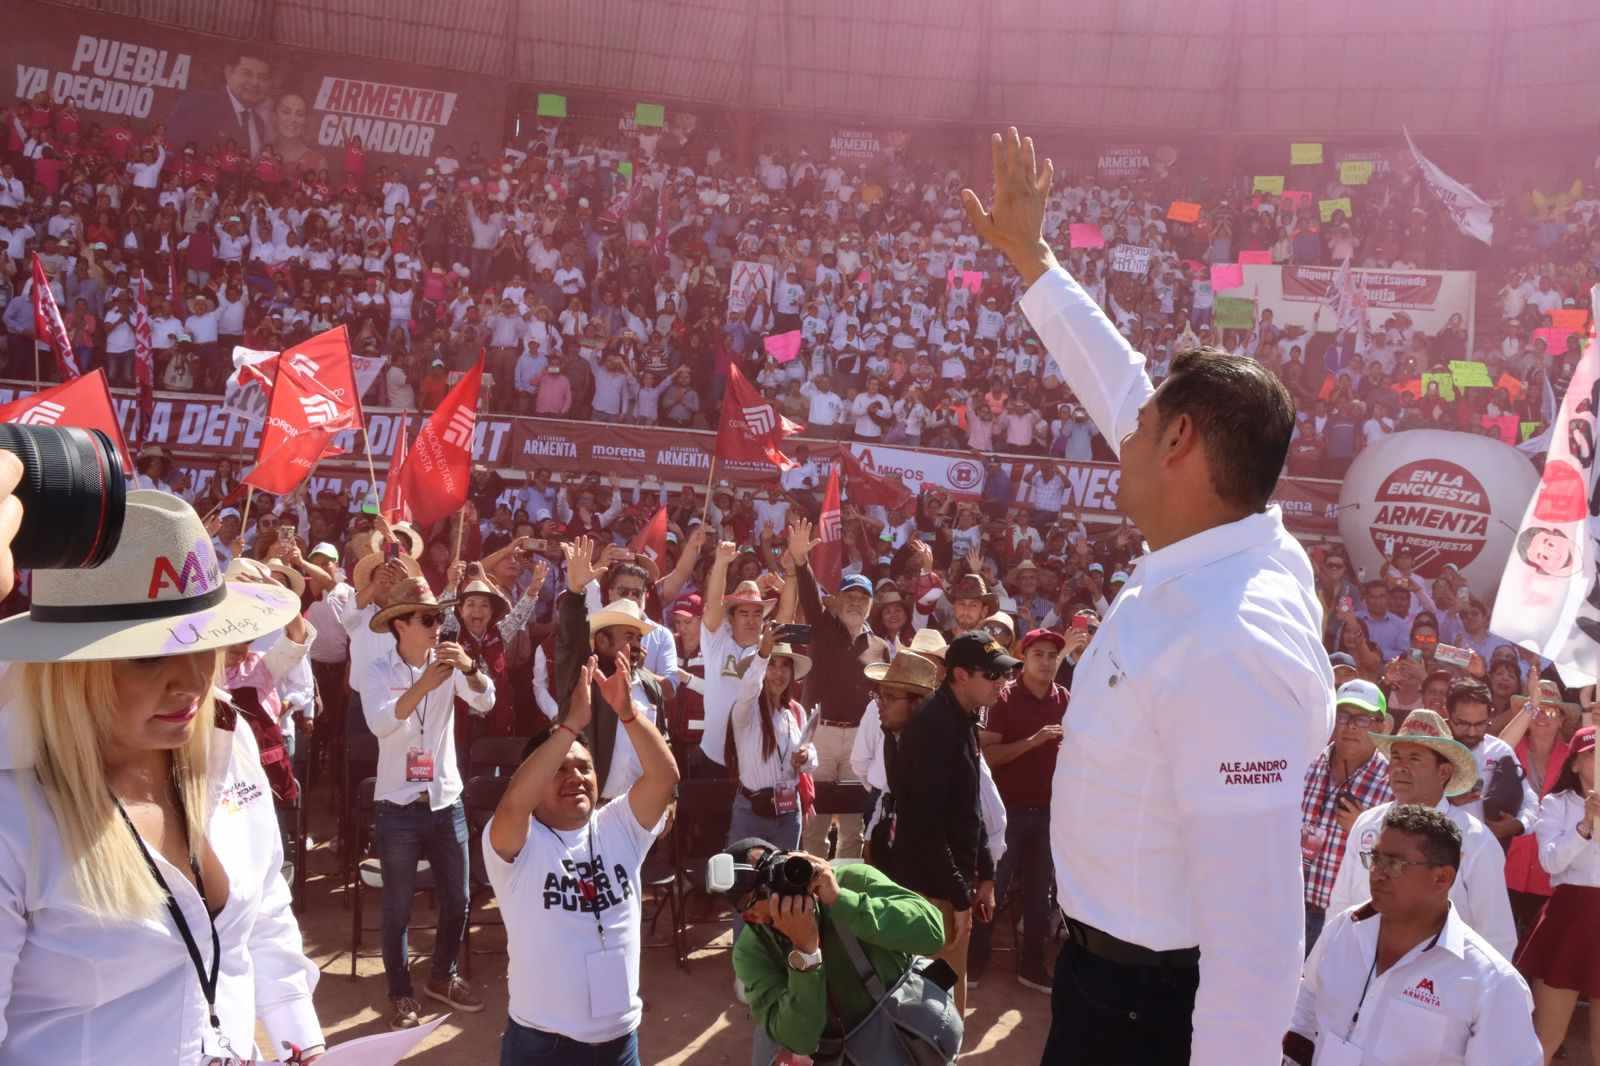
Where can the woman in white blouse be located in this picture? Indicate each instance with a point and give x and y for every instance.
(1561, 958)
(764, 744)
(144, 918)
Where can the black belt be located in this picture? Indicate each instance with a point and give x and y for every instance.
(1105, 946)
(840, 725)
(749, 795)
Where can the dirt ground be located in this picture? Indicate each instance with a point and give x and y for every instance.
(690, 1014)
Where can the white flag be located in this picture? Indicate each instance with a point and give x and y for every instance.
(250, 385)
(1472, 215)
(1549, 600)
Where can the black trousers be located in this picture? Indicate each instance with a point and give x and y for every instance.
(1105, 1013)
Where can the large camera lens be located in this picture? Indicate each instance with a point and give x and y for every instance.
(790, 876)
(73, 495)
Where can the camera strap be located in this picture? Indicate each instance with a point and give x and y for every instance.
(208, 982)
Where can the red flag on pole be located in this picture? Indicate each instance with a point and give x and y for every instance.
(434, 478)
(84, 402)
(144, 366)
(868, 488)
(827, 558)
(651, 541)
(47, 325)
(292, 461)
(395, 508)
(314, 387)
(751, 428)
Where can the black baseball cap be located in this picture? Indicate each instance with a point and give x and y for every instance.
(977, 652)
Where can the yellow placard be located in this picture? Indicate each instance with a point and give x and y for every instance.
(1305, 154)
(1271, 184)
(1328, 207)
(1355, 171)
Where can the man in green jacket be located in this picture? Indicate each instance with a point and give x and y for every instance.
(791, 968)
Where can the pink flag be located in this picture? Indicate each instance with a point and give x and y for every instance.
(783, 346)
(1258, 256)
(1225, 276)
(1087, 235)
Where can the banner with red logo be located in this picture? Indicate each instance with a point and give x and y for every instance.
(292, 461)
(314, 388)
(84, 402)
(751, 427)
(47, 324)
(827, 558)
(394, 507)
(435, 475)
(651, 541)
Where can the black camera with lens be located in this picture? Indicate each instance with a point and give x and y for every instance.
(779, 873)
(73, 494)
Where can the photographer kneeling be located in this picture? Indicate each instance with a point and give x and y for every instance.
(824, 951)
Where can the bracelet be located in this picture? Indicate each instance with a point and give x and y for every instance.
(1579, 828)
(568, 728)
(628, 720)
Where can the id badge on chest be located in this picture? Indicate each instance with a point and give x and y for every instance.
(419, 766)
(785, 799)
(608, 982)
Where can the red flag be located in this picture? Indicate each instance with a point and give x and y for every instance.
(395, 507)
(47, 324)
(652, 539)
(144, 365)
(84, 402)
(827, 558)
(314, 387)
(751, 428)
(292, 461)
(867, 487)
(434, 478)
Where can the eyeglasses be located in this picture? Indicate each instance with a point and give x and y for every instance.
(1357, 718)
(429, 619)
(1389, 865)
(629, 593)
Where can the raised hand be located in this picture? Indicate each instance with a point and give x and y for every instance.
(616, 688)
(579, 710)
(727, 551)
(581, 568)
(1014, 223)
(801, 541)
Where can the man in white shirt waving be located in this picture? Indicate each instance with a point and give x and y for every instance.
(1402, 979)
(566, 873)
(408, 697)
(1223, 604)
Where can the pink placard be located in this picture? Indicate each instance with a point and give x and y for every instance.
(783, 346)
(973, 280)
(1555, 339)
(1299, 197)
(1226, 276)
(1257, 256)
(1505, 425)
(1087, 235)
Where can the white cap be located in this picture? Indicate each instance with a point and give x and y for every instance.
(325, 549)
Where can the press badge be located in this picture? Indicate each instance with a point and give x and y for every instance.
(419, 766)
(786, 800)
(608, 983)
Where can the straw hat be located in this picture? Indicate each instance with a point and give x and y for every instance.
(973, 587)
(372, 560)
(409, 538)
(907, 669)
(412, 594)
(160, 593)
(291, 577)
(1549, 696)
(620, 612)
(929, 643)
(748, 594)
(802, 663)
(1428, 729)
(498, 604)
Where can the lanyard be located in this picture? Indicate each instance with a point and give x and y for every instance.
(1356, 1016)
(586, 885)
(208, 984)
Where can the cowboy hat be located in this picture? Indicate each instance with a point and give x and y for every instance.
(973, 587)
(151, 451)
(621, 612)
(410, 539)
(929, 643)
(907, 669)
(412, 594)
(370, 562)
(747, 594)
(1549, 696)
(160, 593)
(1428, 729)
(498, 604)
(802, 663)
(1000, 618)
(292, 577)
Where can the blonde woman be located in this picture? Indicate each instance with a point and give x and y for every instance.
(144, 918)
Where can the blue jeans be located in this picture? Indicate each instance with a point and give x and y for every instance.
(1026, 866)
(521, 1046)
(783, 831)
(404, 835)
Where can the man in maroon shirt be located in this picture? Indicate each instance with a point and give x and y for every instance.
(1019, 743)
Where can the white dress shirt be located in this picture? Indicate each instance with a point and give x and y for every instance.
(75, 989)
(1454, 1001)
(1159, 827)
(756, 771)
(431, 727)
(1479, 893)
(1568, 858)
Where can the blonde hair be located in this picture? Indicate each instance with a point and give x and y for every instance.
(66, 711)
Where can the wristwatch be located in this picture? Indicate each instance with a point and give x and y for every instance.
(805, 961)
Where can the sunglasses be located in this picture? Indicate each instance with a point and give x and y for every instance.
(996, 675)
(429, 619)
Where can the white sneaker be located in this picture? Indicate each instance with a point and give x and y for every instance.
(738, 992)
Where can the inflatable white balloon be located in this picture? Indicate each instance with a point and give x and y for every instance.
(1449, 497)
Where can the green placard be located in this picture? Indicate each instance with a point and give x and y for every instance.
(1470, 375)
(650, 115)
(1328, 207)
(1447, 388)
(1305, 154)
(1528, 429)
(1235, 312)
(1355, 172)
(552, 105)
(625, 168)
(1271, 184)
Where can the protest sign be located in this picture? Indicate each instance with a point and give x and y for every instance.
(782, 346)
(1555, 340)
(552, 105)
(1087, 235)
(1305, 154)
(1184, 211)
(1124, 161)
(1469, 374)
(1234, 312)
(1447, 387)
(1328, 207)
(1298, 197)
(1130, 259)
(1226, 276)
(1255, 255)
(1355, 171)
(654, 115)
(1575, 319)
(1512, 386)
(1271, 184)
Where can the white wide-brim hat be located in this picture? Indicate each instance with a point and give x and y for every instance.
(160, 593)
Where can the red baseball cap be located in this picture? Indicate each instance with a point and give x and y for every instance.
(690, 607)
(1035, 635)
